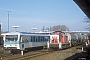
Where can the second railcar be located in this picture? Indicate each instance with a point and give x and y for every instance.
(58, 40)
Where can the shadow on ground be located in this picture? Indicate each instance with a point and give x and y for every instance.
(79, 56)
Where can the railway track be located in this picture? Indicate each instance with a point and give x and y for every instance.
(26, 55)
(30, 56)
(36, 53)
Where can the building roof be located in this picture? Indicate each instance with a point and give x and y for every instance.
(84, 6)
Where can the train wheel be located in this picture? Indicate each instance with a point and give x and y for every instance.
(14, 51)
(6, 51)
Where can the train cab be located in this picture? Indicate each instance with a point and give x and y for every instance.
(59, 40)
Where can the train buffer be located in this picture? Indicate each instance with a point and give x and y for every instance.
(81, 49)
(78, 47)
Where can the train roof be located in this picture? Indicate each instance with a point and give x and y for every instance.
(34, 33)
(25, 33)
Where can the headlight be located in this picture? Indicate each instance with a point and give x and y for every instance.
(15, 45)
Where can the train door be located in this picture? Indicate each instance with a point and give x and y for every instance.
(88, 40)
(62, 38)
(22, 44)
(66, 39)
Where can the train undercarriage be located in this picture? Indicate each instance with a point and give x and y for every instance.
(58, 46)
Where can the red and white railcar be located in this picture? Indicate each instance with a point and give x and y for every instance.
(59, 40)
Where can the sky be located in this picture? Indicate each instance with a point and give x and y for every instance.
(27, 13)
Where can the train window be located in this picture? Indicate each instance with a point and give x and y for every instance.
(36, 38)
(41, 39)
(31, 38)
(46, 38)
(11, 37)
(26, 39)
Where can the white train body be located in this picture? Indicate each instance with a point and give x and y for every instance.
(23, 40)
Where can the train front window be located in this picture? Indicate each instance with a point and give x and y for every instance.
(11, 38)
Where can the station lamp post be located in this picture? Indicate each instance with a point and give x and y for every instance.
(8, 19)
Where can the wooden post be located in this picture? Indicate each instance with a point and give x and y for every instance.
(0, 58)
(82, 48)
(86, 44)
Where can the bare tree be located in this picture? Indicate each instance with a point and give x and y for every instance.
(58, 28)
(87, 20)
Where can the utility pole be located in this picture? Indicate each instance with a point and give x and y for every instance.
(8, 19)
